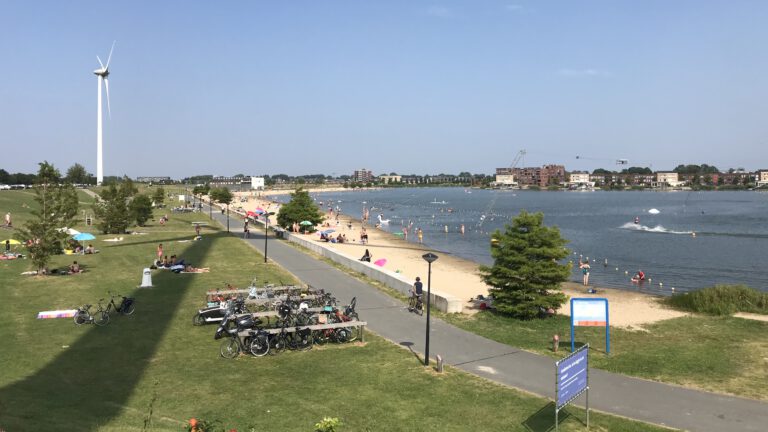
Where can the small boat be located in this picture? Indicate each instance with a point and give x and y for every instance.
(438, 202)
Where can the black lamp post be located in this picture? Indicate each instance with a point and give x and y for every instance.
(210, 207)
(266, 233)
(429, 258)
(227, 217)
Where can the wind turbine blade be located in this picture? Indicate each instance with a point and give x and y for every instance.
(106, 85)
(110, 53)
(100, 63)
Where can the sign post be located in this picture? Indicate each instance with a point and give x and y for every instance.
(588, 312)
(572, 379)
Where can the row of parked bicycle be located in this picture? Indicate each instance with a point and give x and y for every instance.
(262, 299)
(246, 332)
(100, 316)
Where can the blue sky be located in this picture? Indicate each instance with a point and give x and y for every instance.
(302, 87)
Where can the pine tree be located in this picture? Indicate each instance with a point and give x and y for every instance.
(526, 275)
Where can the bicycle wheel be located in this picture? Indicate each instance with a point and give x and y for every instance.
(230, 348)
(129, 310)
(81, 317)
(420, 308)
(279, 343)
(101, 318)
(260, 345)
(353, 333)
(304, 340)
(198, 319)
(320, 337)
(342, 335)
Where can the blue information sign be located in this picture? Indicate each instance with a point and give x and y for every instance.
(572, 376)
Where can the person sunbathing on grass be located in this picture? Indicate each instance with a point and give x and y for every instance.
(190, 269)
(74, 268)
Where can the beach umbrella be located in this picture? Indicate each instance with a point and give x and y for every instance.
(12, 241)
(380, 262)
(328, 231)
(251, 213)
(305, 223)
(260, 210)
(84, 237)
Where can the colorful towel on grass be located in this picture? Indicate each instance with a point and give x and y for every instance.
(69, 313)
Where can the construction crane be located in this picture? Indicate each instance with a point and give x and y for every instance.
(505, 184)
(507, 178)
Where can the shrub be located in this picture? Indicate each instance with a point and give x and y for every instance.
(722, 300)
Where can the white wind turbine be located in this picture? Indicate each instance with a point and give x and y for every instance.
(102, 75)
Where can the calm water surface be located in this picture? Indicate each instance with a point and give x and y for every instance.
(730, 245)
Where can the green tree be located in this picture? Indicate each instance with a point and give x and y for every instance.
(201, 190)
(221, 195)
(58, 207)
(141, 209)
(127, 188)
(526, 275)
(159, 196)
(76, 174)
(112, 210)
(300, 208)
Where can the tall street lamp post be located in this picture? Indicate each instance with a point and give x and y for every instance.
(266, 233)
(227, 217)
(429, 258)
(210, 207)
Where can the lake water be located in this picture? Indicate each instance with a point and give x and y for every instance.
(730, 245)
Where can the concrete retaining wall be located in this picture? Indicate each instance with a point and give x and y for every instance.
(442, 301)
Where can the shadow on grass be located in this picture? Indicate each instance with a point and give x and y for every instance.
(156, 241)
(91, 382)
(544, 419)
(409, 345)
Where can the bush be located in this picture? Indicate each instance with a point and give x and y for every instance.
(722, 300)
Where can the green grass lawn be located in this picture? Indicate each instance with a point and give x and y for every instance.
(721, 354)
(154, 370)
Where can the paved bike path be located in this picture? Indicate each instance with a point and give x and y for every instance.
(613, 393)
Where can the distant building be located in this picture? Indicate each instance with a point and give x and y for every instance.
(362, 176)
(578, 177)
(504, 179)
(580, 180)
(257, 183)
(237, 183)
(161, 180)
(387, 179)
(534, 176)
(666, 179)
(762, 178)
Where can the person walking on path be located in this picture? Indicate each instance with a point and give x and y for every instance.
(584, 266)
(197, 229)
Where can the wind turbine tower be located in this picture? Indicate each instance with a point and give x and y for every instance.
(103, 79)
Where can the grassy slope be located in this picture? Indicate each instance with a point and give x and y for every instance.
(154, 370)
(720, 354)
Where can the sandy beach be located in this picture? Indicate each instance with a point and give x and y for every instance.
(456, 276)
